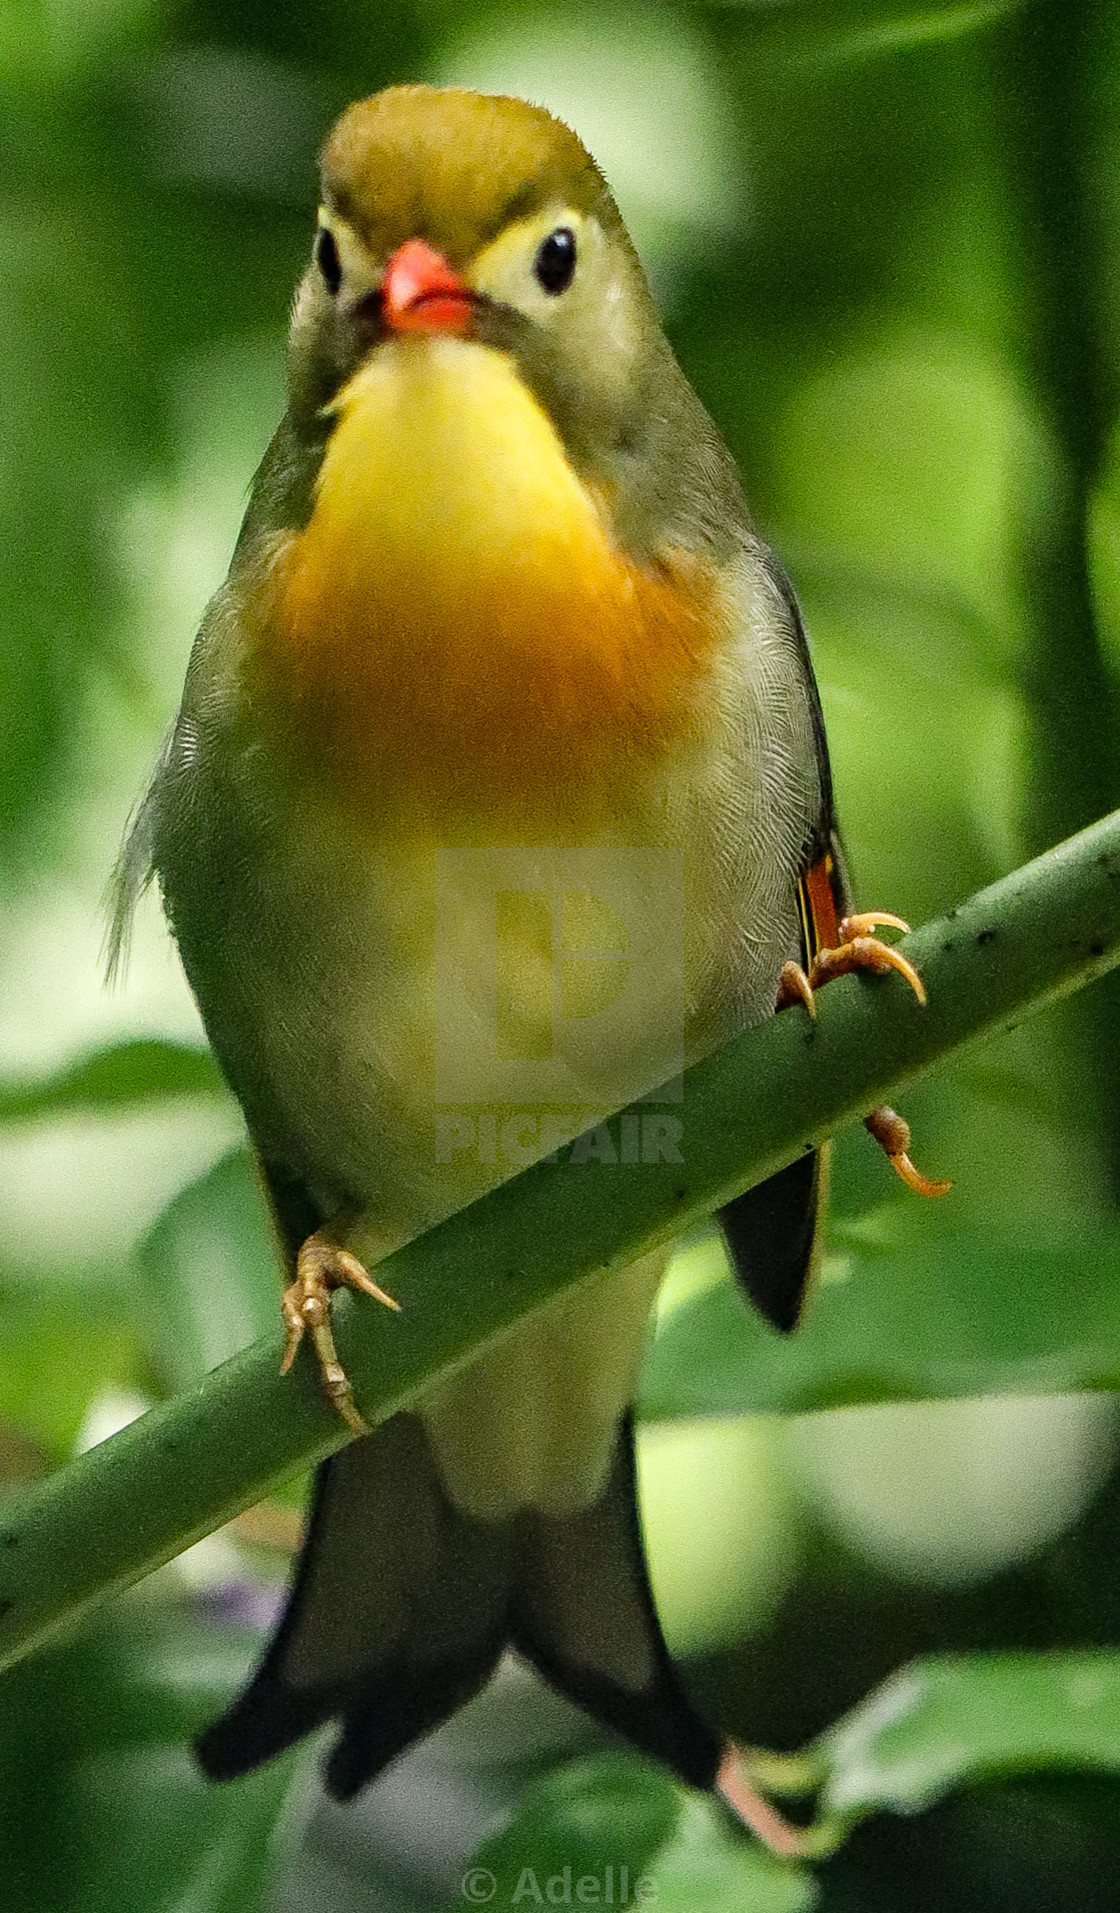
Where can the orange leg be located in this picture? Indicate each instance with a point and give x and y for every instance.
(321, 1267)
(857, 949)
(892, 1133)
(755, 1811)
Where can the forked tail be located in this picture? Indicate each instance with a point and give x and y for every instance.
(401, 1606)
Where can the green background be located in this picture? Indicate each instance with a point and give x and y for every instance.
(886, 245)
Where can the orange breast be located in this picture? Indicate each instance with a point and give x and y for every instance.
(456, 614)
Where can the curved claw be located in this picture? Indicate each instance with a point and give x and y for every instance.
(351, 1272)
(888, 958)
(794, 987)
(322, 1266)
(866, 953)
(914, 1179)
(892, 1133)
(865, 921)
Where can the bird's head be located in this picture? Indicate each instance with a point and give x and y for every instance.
(453, 213)
(495, 509)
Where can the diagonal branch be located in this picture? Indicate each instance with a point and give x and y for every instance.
(192, 1463)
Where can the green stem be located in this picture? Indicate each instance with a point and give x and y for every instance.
(773, 1092)
(1055, 51)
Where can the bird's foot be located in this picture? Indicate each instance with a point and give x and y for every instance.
(856, 948)
(321, 1267)
(892, 1133)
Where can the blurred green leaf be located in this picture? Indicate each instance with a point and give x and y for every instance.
(961, 1316)
(108, 1814)
(632, 1837)
(74, 433)
(941, 1722)
(138, 1070)
(951, 462)
(709, 1866)
(210, 1271)
(59, 1349)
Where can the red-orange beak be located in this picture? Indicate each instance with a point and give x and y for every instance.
(420, 293)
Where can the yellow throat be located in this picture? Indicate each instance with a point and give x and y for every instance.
(456, 604)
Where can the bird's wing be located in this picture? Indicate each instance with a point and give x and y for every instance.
(773, 1231)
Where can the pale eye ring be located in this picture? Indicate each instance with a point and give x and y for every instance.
(555, 264)
(327, 259)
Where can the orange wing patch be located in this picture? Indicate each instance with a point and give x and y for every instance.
(817, 905)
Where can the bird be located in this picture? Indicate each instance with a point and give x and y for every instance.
(499, 780)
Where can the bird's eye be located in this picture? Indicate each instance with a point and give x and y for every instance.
(327, 259)
(555, 263)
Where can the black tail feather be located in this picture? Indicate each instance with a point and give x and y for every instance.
(772, 1237)
(396, 1616)
(583, 1614)
(401, 1606)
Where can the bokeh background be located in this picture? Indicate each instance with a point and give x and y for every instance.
(886, 241)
